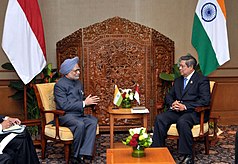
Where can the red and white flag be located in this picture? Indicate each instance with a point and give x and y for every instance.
(23, 38)
(137, 96)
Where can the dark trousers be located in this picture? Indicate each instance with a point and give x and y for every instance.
(184, 123)
(6, 159)
(19, 150)
(84, 131)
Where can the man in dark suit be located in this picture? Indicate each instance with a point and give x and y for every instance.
(68, 92)
(190, 90)
(20, 149)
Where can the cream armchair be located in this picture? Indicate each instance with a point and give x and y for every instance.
(48, 112)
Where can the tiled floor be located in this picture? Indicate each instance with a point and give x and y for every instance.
(222, 153)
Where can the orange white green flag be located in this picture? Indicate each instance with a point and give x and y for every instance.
(209, 35)
(117, 97)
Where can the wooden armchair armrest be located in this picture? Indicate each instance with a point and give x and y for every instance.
(202, 108)
(56, 113)
(32, 122)
(91, 109)
(92, 106)
(159, 107)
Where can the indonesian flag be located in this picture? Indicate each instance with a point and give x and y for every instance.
(209, 36)
(23, 38)
(117, 97)
(137, 96)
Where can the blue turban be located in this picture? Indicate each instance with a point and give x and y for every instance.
(68, 65)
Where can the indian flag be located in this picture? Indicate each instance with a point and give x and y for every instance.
(117, 97)
(209, 35)
(23, 38)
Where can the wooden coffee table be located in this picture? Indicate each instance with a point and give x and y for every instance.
(152, 155)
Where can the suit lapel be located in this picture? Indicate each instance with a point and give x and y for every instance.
(189, 84)
(181, 86)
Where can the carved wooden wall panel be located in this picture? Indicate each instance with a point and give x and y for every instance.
(163, 59)
(117, 51)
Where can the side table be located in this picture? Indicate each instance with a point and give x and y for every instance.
(123, 113)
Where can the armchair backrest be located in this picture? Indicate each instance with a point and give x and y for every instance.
(45, 98)
(212, 83)
(213, 88)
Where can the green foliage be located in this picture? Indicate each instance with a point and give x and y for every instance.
(138, 137)
(167, 77)
(8, 66)
(49, 74)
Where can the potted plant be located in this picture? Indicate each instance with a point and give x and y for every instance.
(139, 140)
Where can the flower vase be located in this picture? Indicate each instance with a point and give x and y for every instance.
(138, 151)
(126, 103)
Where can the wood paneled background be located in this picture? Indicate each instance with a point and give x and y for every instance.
(8, 106)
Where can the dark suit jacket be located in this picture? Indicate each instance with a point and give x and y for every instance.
(69, 96)
(196, 93)
(1, 118)
(19, 150)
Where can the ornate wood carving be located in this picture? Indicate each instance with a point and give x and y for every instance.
(117, 51)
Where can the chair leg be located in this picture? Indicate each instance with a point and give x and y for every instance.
(43, 146)
(193, 155)
(207, 145)
(66, 152)
(177, 143)
(214, 139)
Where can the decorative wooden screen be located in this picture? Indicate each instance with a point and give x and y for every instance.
(118, 51)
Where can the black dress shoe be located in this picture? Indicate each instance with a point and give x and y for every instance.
(87, 159)
(78, 160)
(188, 159)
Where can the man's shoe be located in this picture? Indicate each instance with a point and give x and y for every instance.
(188, 159)
(78, 160)
(87, 159)
(75, 161)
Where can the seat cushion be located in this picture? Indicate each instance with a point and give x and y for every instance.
(195, 130)
(64, 132)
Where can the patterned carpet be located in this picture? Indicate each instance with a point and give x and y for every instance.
(222, 153)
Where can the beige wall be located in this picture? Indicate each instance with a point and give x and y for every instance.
(172, 18)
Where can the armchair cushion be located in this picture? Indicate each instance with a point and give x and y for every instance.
(64, 133)
(195, 130)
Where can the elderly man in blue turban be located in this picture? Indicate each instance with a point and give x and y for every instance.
(68, 92)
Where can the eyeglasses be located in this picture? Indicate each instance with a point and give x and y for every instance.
(76, 70)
